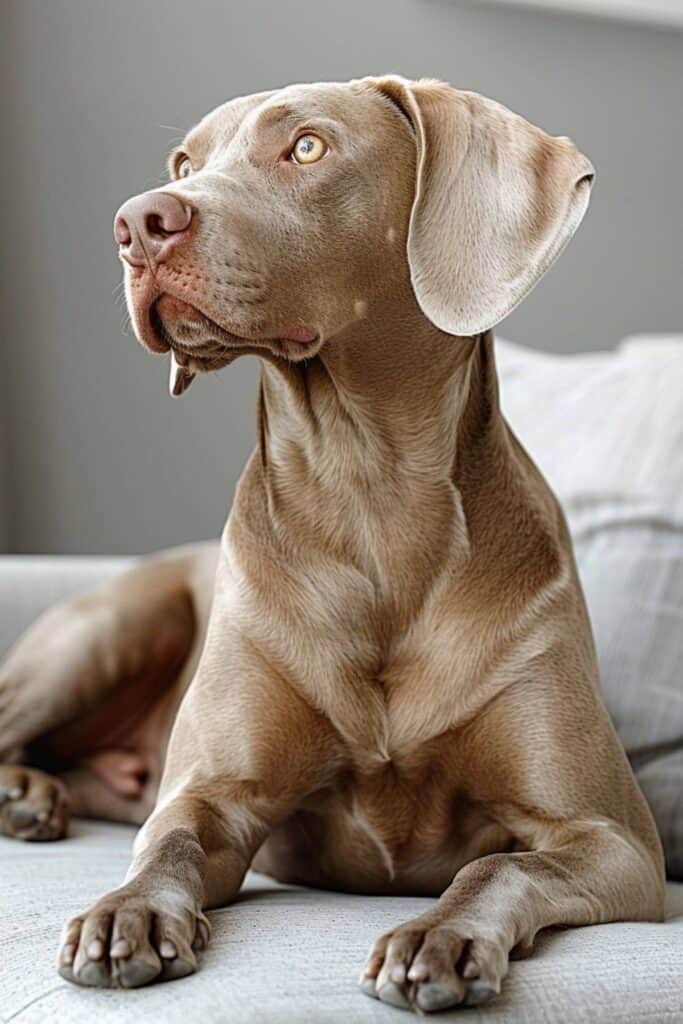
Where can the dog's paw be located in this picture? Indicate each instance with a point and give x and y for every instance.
(433, 968)
(33, 805)
(128, 939)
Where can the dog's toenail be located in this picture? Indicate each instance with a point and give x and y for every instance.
(478, 992)
(398, 973)
(367, 986)
(418, 973)
(14, 793)
(68, 953)
(42, 815)
(95, 950)
(436, 997)
(168, 950)
(392, 994)
(120, 949)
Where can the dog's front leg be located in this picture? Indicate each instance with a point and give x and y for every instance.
(245, 749)
(458, 951)
(548, 768)
(152, 927)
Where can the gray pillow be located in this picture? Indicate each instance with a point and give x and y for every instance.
(606, 428)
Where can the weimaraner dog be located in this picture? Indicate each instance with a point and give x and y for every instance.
(383, 679)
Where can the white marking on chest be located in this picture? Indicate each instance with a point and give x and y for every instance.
(361, 822)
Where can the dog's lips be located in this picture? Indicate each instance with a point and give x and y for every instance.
(174, 310)
(302, 335)
(184, 326)
(149, 330)
(166, 322)
(181, 324)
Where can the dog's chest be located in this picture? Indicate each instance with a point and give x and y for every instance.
(399, 828)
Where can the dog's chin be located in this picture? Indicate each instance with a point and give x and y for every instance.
(203, 345)
(191, 335)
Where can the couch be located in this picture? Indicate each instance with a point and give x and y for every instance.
(607, 429)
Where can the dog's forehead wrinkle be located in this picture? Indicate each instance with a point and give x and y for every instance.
(232, 126)
(330, 100)
(217, 128)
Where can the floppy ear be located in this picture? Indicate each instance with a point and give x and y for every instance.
(496, 201)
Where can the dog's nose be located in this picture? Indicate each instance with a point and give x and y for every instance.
(149, 225)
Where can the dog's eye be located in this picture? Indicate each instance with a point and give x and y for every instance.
(183, 167)
(308, 149)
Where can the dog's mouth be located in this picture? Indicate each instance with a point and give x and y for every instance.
(197, 344)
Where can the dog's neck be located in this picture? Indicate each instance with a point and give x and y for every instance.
(383, 430)
(393, 393)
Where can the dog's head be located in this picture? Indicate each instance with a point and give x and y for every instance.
(292, 214)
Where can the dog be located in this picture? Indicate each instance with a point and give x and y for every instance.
(383, 679)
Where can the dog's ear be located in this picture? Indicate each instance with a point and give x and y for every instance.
(496, 201)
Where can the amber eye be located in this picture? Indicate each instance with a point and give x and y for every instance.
(308, 149)
(183, 167)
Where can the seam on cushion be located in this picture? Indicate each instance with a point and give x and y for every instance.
(642, 757)
(32, 1002)
(630, 521)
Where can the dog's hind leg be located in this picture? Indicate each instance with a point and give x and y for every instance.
(37, 807)
(80, 680)
(33, 804)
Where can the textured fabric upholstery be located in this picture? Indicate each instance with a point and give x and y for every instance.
(292, 956)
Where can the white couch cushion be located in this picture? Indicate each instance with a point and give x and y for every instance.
(606, 429)
(29, 585)
(283, 955)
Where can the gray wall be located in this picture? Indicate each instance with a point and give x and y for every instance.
(99, 459)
